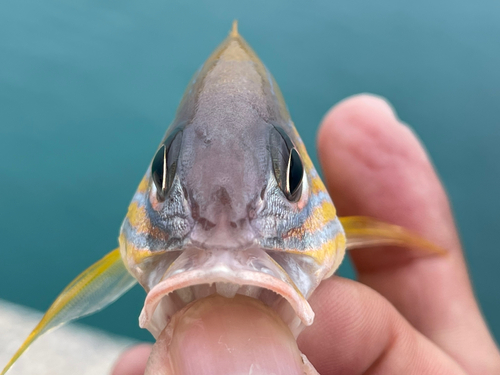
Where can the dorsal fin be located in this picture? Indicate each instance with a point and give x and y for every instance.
(234, 30)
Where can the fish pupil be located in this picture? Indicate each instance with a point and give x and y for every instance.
(158, 172)
(295, 174)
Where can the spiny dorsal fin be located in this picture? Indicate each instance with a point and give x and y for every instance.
(234, 30)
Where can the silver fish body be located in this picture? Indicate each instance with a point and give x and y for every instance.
(222, 216)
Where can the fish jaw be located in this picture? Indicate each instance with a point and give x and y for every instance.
(197, 273)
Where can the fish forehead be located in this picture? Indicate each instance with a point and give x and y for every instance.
(225, 116)
(228, 114)
(232, 88)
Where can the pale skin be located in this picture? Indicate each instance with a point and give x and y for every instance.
(404, 315)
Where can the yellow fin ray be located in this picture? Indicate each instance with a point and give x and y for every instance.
(234, 30)
(362, 231)
(95, 288)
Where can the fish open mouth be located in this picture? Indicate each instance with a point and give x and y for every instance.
(198, 273)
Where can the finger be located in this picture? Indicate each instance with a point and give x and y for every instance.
(375, 166)
(218, 335)
(357, 331)
(133, 361)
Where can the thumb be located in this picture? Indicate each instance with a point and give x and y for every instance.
(217, 335)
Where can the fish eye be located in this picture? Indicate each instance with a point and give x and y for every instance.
(287, 164)
(164, 164)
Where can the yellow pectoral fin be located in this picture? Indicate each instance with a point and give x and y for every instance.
(95, 288)
(362, 231)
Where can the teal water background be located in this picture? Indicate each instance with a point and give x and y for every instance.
(87, 89)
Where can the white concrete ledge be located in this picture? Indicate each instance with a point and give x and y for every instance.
(73, 349)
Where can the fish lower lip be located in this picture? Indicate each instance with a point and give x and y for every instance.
(197, 273)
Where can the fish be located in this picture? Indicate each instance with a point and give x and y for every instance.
(231, 203)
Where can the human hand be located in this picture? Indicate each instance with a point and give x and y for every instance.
(406, 314)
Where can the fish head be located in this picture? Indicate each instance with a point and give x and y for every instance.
(231, 202)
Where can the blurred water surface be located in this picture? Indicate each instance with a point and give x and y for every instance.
(87, 89)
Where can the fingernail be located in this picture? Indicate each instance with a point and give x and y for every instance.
(218, 335)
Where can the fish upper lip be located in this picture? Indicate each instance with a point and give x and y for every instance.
(249, 267)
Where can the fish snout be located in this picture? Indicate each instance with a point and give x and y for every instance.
(221, 224)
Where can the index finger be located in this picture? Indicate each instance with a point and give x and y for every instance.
(375, 166)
